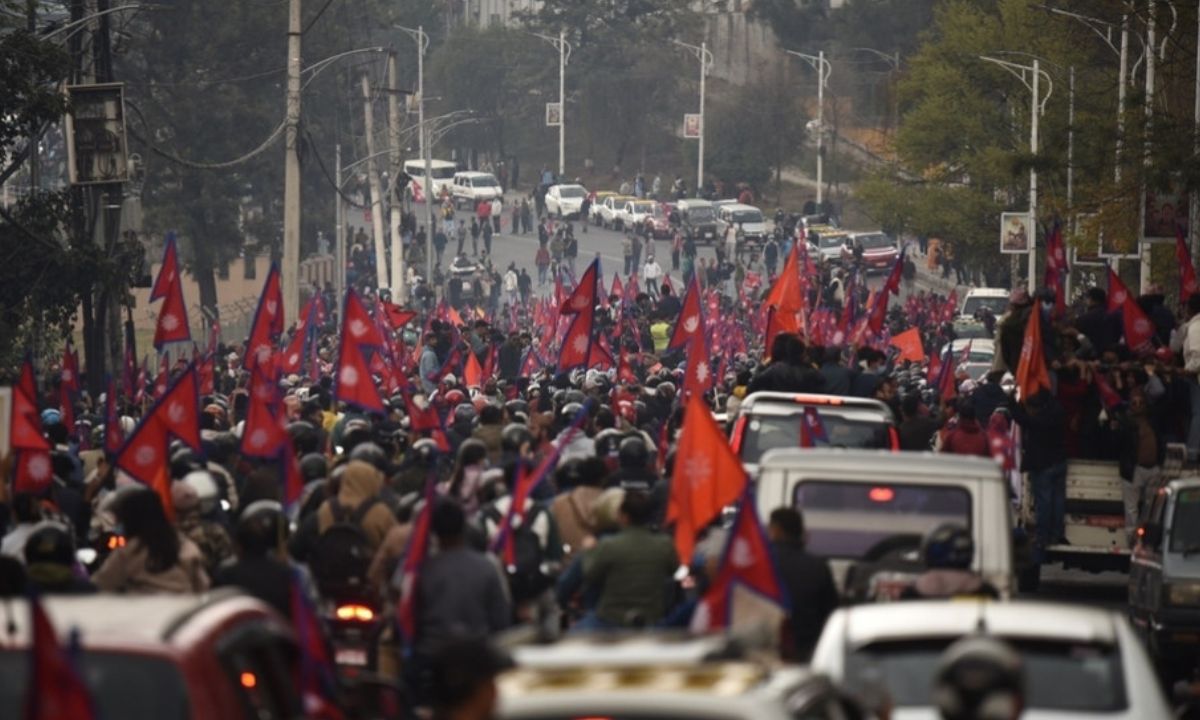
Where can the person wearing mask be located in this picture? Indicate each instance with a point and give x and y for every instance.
(631, 571)
(806, 578)
(966, 437)
(156, 557)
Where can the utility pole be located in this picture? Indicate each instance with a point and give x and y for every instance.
(381, 267)
(289, 277)
(339, 244)
(399, 280)
(1144, 247)
(705, 57)
(422, 40)
(1194, 216)
(824, 69)
(562, 104)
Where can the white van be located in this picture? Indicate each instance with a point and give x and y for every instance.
(749, 219)
(440, 171)
(867, 512)
(471, 187)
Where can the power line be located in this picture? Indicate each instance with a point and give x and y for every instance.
(199, 165)
(316, 17)
(325, 171)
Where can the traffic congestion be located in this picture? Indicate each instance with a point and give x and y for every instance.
(594, 440)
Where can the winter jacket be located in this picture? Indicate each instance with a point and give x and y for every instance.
(360, 483)
(126, 571)
(574, 515)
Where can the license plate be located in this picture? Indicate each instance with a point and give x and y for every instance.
(351, 656)
(1105, 521)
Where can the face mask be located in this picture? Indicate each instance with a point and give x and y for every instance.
(1047, 306)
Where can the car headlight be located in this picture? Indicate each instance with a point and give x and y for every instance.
(1183, 593)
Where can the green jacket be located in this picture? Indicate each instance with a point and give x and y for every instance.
(631, 572)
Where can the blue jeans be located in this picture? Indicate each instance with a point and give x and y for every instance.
(1049, 496)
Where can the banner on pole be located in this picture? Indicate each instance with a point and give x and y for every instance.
(691, 126)
(1016, 233)
(553, 114)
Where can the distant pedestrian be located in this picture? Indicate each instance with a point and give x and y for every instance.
(497, 212)
(542, 260)
(474, 236)
(439, 245)
(676, 250)
(627, 253)
(636, 248)
(515, 220)
(526, 217)
(585, 210)
(487, 238)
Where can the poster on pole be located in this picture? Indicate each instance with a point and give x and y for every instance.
(1016, 233)
(1085, 240)
(691, 126)
(1163, 213)
(553, 114)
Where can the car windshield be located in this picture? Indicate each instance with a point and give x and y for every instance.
(847, 519)
(875, 241)
(1185, 525)
(831, 241)
(768, 432)
(998, 305)
(746, 216)
(123, 685)
(487, 181)
(571, 191)
(1059, 676)
(700, 214)
(977, 355)
(417, 170)
(642, 208)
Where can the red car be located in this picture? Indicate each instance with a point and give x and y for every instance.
(879, 251)
(658, 223)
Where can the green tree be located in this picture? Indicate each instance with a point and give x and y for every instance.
(754, 131)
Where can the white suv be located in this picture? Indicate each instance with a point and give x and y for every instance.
(471, 187)
(565, 201)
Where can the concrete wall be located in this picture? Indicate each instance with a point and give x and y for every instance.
(742, 46)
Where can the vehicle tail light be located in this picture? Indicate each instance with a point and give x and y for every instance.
(358, 613)
(116, 541)
(881, 494)
(739, 433)
(894, 438)
(817, 400)
(249, 680)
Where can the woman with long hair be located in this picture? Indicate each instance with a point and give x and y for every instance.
(156, 557)
(465, 481)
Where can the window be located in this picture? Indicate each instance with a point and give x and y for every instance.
(875, 241)
(973, 304)
(848, 519)
(1185, 525)
(571, 191)
(767, 432)
(747, 216)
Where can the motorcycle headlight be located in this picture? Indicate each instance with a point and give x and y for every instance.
(1183, 593)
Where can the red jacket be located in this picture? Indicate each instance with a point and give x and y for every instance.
(966, 438)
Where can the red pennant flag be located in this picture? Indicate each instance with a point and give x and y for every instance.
(172, 324)
(1139, 331)
(625, 373)
(690, 319)
(54, 690)
(70, 368)
(583, 297)
(1187, 271)
(26, 430)
(576, 347)
(317, 676)
(268, 322)
(353, 383)
(618, 290)
(778, 321)
(632, 286)
(396, 315)
(746, 565)
(113, 437)
(176, 413)
(788, 293)
(812, 428)
(472, 372)
(67, 405)
(950, 309)
(357, 325)
(414, 558)
(1031, 370)
(909, 345)
(1108, 396)
(263, 433)
(707, 477)
(698, 376)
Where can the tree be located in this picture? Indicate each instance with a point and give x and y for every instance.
(754, 131)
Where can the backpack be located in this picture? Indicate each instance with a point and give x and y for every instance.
(342, 554)
(527, 577)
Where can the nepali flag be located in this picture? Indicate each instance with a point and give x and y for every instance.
(54, 689)
(414, 557)
(425, 420)
(172, 324)
(812, 428)
(690, 318)
(268, 322)
(317, 678)
(747, 592)
(1139, 331)
(1057, 268)
(1188, 285)
(583, 298)
(292, 360)
(945, 380)
(950, 308)
(576, 349)
(1110, 397)
(112, 423)
(698, 375)
(34, 469)
(69, 377)
(352, 381)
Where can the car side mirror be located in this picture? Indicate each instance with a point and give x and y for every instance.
(1150, 534)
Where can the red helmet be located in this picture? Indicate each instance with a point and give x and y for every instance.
(455, 397)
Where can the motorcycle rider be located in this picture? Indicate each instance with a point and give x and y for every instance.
(948, 551)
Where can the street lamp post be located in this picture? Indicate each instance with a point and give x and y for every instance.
(564, 54)
(893, 61)
(1030, 76)
(418, 34)
(823, 68)
(705, 57)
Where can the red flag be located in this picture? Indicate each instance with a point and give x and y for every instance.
(1187, 271)
(263, 433)
(1108, 396)
(618, 290)
(812, 428)
(1139, 331)
(414, 558)
(706, 478)
(112, 423)
(317, 677)
(353, 383)
(778, 321)
(576, 347)
(892, 284)
(163, 378)
(690, 319)
(268, 322)
(54, 690)
(472, 372)
(425, 419)
(1057, 268)
(175, 413)
(698, 377)
(172, 324)
(625, 373)
(632, 286)
(583, 297)
(26, 424)
(357, 325)
(396, 315)
(950, 309)
(909, 344)
(947, 378)
(70, 368)
(787, 293)
(1031, 370)
(1000, 441)
(746, 564)
(68, 408)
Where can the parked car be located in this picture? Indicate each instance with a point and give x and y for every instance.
(634, 212)
(597, 204)
(697, 220)
(651, 676)
(657, 224)
(868, 512)
(829, 241)
(1078, 661)
(470, 187)
(734, 217)
(220, 656)
(565, 201)
(441, 172)
(879, 252)
(610, 210)
(1164, 574)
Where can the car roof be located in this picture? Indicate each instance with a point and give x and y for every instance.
(693, 203)
(976, 344)
(864, 233)
(568, 185)
(879, 465)
(624, 649)
(797, 401)
(739, 206)
(1035, 620)
(1184, 483)
(432, 163)
(110, 620)
(988, 292)
(473, 173)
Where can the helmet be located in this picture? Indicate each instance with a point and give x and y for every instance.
(51, 416)
(261, 527)
(575, 396)
(425, 450)
(633, 453)
(569, 411)
(454, 398)
(515, 436)
(207, 491)
(313, 466)
(948, 546)
(371, 454)
(979, 678)
(50, 542)
(512, 407)
(464, 413)
(304, 436)
(183, 461)
(607, 441)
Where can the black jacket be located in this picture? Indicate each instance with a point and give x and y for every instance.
(916, 433)
(809, 585)
(510, 361)
(784, 377)
(1045, 433)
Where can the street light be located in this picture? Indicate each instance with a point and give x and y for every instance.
(422, 39)
(705, 57)
(564, 54)
(823, 68)
(893, 61)
(1030, 76)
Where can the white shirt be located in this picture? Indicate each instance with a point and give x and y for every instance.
(652, 270)
(497, 206)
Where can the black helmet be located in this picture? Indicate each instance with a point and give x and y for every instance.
(305, 438)
(313, 466)
(569, 411)
(512, 407)
(50, 542)
(948, 546)
(371, 454)
(183, 461)
(464, 413)
(607, 441)
(979, 678)
(633, 453)
(261, 527)
(425, 451)
(515, 436)
(573, 396)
